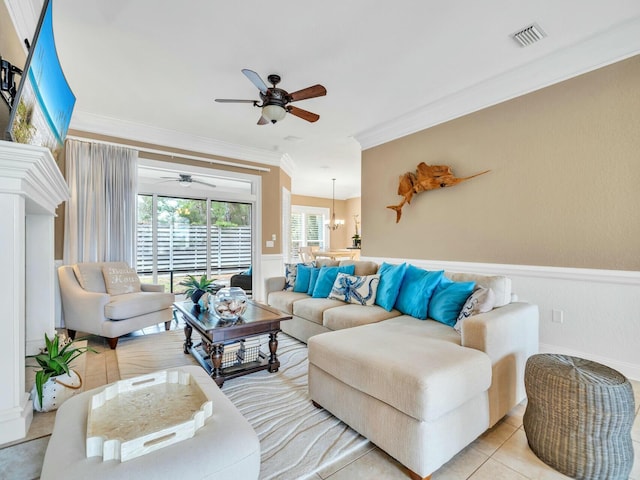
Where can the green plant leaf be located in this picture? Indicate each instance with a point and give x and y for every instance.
(41, 379)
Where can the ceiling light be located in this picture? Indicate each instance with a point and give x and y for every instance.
(333, 223)
(273, 113)
(185, 183)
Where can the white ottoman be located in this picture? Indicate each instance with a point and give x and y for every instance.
(226, 447)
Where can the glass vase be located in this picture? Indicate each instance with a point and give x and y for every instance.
(230, 303)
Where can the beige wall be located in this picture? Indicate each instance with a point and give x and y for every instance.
(564, 187)
(345, 209)
(272, 183)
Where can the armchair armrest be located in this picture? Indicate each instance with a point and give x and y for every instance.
(273, 284)
(151, 287)
(83, 310)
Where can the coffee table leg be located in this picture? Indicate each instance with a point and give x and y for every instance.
(217, 350)
(188, 343)
(274, 363)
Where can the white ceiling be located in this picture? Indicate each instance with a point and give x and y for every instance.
(149, 70)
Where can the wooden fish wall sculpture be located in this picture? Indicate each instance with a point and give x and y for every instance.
(426, 177)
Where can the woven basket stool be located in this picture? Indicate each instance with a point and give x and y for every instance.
(579, 416)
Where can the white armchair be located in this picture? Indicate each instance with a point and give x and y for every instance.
(107, 299)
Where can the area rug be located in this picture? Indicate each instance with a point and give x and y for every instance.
(296, 439)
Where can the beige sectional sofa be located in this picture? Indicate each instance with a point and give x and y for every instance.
(418, 389)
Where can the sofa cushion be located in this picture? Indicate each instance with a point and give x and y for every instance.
(448, 299)
(390, 281)
(290, 271)
(362, 267)
(327, 277)
(283, 300)
(355, 289)
(326, 262)
(119, 280)
(90, 277)
(313, 278)
(312, 308)
(500, 285)
(427, 372)
(133, 304)
(416, 290)
(303, 275)
(347, 316)
(482, 300)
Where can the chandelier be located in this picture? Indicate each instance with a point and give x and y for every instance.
(333, 223)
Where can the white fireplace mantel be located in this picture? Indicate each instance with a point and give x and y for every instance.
(31, 187)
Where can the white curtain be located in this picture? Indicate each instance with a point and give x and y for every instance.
(100, 217)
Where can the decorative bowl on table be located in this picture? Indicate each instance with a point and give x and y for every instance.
(230, 303)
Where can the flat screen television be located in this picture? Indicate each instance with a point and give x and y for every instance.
(42, 107)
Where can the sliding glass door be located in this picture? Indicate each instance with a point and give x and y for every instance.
(191, 236)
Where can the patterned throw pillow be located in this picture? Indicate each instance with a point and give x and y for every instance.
(290, 273)
(120, 279)
(355, 289)
(480, 301)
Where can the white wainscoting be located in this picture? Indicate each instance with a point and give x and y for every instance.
(598, 308)
(271, 266)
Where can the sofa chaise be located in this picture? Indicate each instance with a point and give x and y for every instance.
(419, 389)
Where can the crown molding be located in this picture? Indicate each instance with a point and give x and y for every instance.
(287, 164)
(102, 125)
(613, 45)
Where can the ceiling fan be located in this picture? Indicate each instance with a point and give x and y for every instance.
(275, 101)
(185, 180)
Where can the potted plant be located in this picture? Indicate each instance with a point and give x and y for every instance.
(195, 288)
(55, 381)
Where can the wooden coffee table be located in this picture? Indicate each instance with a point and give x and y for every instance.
(257, 320)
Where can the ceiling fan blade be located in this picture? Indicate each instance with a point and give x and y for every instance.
(309, 92)
(255, 79)
(263, 121)
(298, 112)
(204, 183)
(233, 100)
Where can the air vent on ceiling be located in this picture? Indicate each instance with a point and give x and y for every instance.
(529, 35)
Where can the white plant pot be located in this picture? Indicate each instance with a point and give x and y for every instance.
(56, 390)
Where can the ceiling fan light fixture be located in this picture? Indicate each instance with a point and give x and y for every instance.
(184, 183)
(273, 113)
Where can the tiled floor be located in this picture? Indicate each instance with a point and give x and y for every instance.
(500, 453)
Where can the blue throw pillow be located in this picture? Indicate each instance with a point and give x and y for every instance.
(327, 276)
(302, 279)
(448, 299)
(250, 271)
(390, 280)
(416, 290)
(312, 280)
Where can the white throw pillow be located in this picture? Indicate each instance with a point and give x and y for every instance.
(291, 272)
(481, 300)
(360, 290)
(120, 280)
